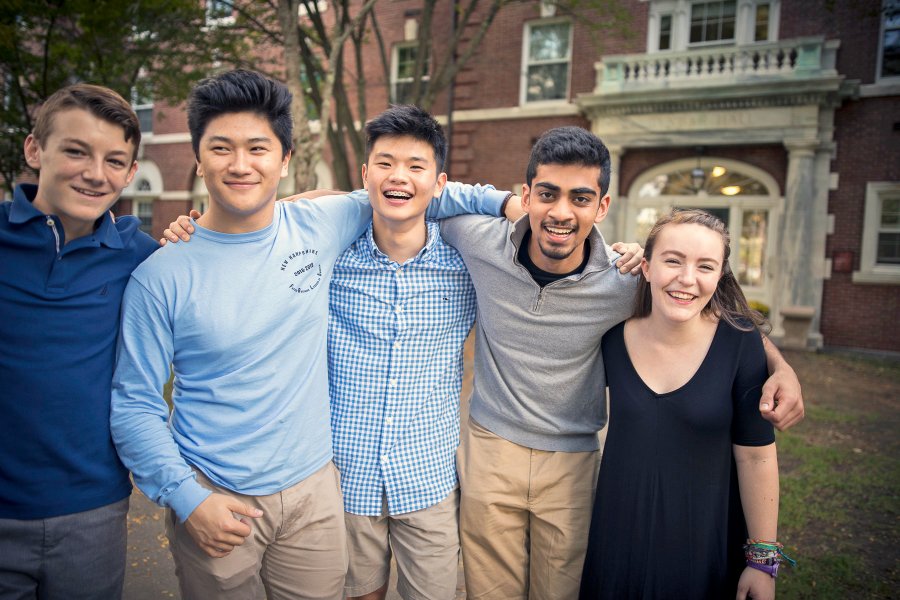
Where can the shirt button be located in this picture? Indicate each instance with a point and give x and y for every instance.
(397, 345)
(399, 270)
(389, 420)
(384, 458)
(398, 309)
(392, 383)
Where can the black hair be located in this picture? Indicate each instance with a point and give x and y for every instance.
(236, 91)
(570, 146)
(728, 301)
(406, 119)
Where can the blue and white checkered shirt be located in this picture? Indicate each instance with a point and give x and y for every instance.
(395, 338)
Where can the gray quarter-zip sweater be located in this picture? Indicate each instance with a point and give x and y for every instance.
(539, 378)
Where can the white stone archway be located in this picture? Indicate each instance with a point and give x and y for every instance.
(745, 197)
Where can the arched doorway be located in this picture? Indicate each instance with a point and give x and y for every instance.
(745, 197)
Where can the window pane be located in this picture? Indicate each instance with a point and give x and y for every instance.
(752, 254)
(890, 57)
(888, 248)
(712, 21)
(761, 33)
(547, 82)
(890, 212)
(145, 118)
(646, 219)
(665, 32)
(549, 42)
(144, 212)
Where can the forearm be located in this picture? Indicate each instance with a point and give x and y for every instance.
(774, 359)
(464, 199)
(757, 470)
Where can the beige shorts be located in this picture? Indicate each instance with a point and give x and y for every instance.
(524, 517)
(425, 544)
(297, 549)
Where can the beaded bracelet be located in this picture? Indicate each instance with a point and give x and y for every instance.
(766, 556)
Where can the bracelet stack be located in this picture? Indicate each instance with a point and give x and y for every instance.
(766, 556)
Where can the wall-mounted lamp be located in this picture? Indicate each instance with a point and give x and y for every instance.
(698, 175)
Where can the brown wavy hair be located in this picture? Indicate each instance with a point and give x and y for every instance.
(100, 101)
(728, 301)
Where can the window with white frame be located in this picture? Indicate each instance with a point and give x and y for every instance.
(879, 260)
(678, 25)
(889, 44)
(712, 22)
(142, 102)
(546, 61)
(143, 208)
(403, 72)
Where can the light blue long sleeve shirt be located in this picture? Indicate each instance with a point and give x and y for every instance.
(242, 319)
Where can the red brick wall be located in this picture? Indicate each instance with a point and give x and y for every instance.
(498, 153)
(856, 24)
(868, 149)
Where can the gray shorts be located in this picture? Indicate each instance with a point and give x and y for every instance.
(78, 557)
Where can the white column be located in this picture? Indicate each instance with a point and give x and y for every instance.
(613, 226)
(801, 241)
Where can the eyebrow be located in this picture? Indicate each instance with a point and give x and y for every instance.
(226, 139)
(683, 255)
(84, 144)
(555, 188)
(392, 157)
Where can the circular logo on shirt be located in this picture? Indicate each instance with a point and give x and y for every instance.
(303, 271)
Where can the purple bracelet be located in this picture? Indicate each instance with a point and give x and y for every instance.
(768, 569)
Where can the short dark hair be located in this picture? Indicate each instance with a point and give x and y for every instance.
(101, 102)
(406, 119)
(728, 301)
(570, 146)
(236, 91)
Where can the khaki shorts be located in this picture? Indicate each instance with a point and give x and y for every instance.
(425, 544)
(297, 549)
(524, 517)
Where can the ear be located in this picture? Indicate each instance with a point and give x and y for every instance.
(285, 163)
(603, 209)
(33, 152)
(645, 269)
(199, 169)
(439, 185)
(131, 172)
(364, 174)
(526, 197)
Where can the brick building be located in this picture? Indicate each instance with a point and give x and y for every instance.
(780, 116)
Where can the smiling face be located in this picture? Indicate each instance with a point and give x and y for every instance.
(84, 164)
(402, 177)
(563, 202)
(241, 162)
(684, 270)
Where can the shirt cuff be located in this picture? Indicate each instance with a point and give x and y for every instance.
(186, 498)
(494, 202)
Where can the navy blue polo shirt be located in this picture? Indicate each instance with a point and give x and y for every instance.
(59, 319)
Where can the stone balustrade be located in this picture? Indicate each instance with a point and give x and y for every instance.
(800, 58)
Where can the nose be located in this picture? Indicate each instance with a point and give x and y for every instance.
(561, 210)
(687, 275)
(239, 162)
(398, 175)
(93, 171)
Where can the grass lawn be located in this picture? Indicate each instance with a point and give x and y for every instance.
(840, 481)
